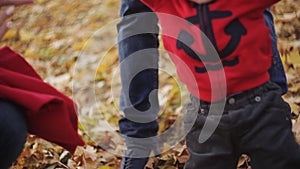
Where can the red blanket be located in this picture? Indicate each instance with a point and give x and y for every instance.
(50, 114)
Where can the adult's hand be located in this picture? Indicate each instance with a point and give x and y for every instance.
(15, 2)
(5, 25)
(202, 1)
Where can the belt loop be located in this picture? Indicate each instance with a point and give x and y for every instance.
(266, 86)
(252, 95)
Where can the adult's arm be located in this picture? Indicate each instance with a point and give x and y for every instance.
(138, 54)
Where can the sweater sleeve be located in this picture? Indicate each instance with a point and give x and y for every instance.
(154, 4)
(259, 4)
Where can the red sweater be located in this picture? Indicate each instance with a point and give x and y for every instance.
(49, 113)
(235, 28)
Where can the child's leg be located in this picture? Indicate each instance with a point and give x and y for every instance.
(218, 152)
(269, 140)
(13, 132)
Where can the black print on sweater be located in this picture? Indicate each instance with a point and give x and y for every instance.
(204, 17)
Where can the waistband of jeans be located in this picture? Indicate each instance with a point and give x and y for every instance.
(238, 99)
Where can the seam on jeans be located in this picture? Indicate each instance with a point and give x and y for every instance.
(126, 163)
(155, 84)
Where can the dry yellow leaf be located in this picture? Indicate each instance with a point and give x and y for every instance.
(9, 34)
(41, 1)
(25, 35)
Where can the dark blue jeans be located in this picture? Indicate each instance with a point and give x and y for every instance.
(13, 133)
(256, 122)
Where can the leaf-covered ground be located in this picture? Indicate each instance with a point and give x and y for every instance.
(72, 45)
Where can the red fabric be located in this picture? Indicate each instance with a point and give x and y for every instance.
(221, 21)
(50, 114)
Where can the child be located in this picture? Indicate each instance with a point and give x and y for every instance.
(233, 29)
(255, 119)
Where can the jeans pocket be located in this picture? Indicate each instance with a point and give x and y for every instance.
(190, 117)
(287, 112)
(189, 122)
(281, 110)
